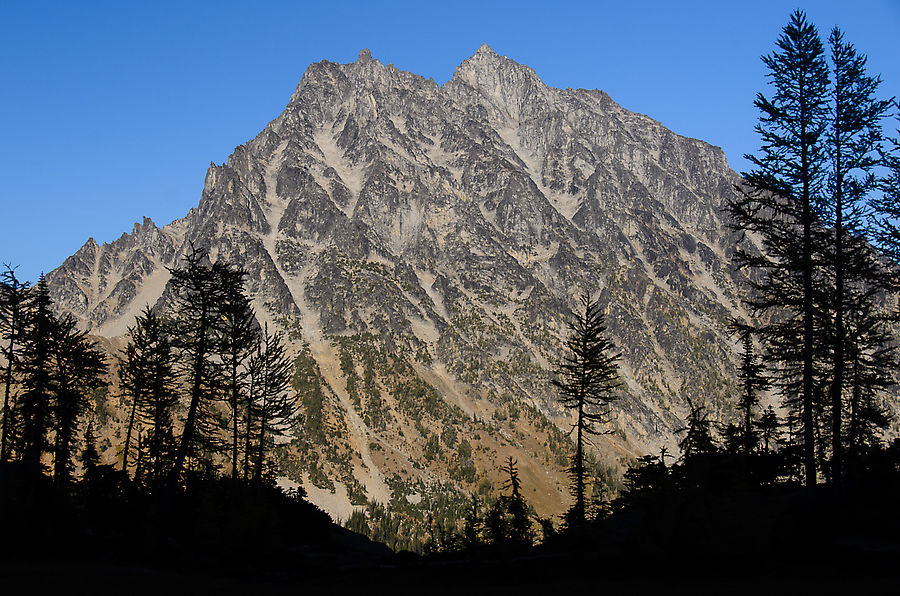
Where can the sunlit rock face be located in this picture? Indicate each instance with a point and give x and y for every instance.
(425, 245)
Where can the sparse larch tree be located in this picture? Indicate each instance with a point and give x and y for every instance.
(586, 379)
(198, 292)
(274, 408)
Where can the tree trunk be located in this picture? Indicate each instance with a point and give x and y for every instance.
(65, 423)
(155, 457)
(134, 402)
(578, 517)
(249, 420)
(260, 449)
(10, 352)
(837, 383)
(234, 416)
(809, 455)
(187, 435)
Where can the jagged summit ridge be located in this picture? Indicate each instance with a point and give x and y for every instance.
(453, 228)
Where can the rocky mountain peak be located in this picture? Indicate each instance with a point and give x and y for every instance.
(485, 52)
(84, 257)
(424, 248)
(510, 90)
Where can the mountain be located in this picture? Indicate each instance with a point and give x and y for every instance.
(425, 245)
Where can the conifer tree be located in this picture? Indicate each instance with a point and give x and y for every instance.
(79, 367)
(866, 416)
(599, 505)
(698, 439)
(587, 378)
(733, 437)
(133, 384)
(779, 202)
(752, 381)
(885, 230)
(90, 457)
(240, 336)
(471, 523)
(520, 525)
(768, 426)
(35, 407)
(853, 138)
(254, 365)
(141, 448)
(495, 523)
(871, 359)
(198, 291)
(13, 313)
(147, 377)
(274, 407)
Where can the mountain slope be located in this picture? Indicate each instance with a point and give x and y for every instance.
(424, 245)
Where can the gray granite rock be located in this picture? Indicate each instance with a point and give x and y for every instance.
(461, 223)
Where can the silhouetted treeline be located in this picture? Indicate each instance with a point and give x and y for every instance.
(818, 216)
(206, 391)
(51, 371)
(206, 353)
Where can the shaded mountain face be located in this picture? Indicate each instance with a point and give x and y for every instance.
(424, 247)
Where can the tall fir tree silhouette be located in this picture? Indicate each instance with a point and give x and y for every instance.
(35, 407)
(853, 138)
(779, 202)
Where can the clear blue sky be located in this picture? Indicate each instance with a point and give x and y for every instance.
(110, 111)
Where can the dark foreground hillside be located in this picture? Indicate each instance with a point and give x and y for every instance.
(221, 538)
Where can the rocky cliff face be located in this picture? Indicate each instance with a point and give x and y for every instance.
(425, 245)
